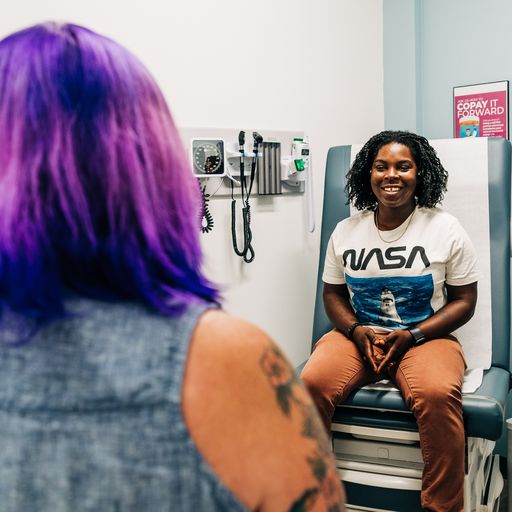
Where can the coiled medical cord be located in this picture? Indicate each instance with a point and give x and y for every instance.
(206, 215)
(247, 250)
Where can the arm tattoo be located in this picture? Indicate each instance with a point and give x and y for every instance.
(291, 398)
(306, 501)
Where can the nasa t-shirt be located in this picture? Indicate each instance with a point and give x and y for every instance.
(398, 282)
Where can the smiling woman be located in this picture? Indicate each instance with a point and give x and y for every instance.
(400, 276)
(393, 181)
(431, 176)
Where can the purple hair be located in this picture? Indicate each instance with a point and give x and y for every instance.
(96, 193)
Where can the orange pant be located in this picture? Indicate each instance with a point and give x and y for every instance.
(430, 378)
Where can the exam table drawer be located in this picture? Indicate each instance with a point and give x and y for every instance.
(379, 491)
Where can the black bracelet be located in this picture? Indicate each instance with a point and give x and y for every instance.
(417, 335)
(350, 330)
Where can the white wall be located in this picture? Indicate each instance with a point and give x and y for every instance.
(300, 65)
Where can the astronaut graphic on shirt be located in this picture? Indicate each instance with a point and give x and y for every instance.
(388, 308)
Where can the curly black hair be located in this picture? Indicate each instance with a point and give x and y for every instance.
(431, 175)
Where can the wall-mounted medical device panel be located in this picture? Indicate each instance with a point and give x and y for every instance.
(234, 164)
(215, 153)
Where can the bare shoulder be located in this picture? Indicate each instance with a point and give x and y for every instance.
(217, 329)
(252, 420)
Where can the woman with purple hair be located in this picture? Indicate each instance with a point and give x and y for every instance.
(123, 385)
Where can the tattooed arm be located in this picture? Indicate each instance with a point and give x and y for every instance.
(253, 421)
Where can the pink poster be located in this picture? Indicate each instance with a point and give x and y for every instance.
(481, 110)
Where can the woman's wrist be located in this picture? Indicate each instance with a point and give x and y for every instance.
(351, 329)
(418, 336)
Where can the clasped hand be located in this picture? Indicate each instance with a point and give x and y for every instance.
(382, 351)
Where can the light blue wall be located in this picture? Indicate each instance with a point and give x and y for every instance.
(401, 65)
(430, 46)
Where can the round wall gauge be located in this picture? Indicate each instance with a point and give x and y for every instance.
(208, 157)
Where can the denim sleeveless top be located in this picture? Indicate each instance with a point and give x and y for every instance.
(91, 416)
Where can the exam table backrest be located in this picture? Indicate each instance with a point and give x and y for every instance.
(499, 194)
